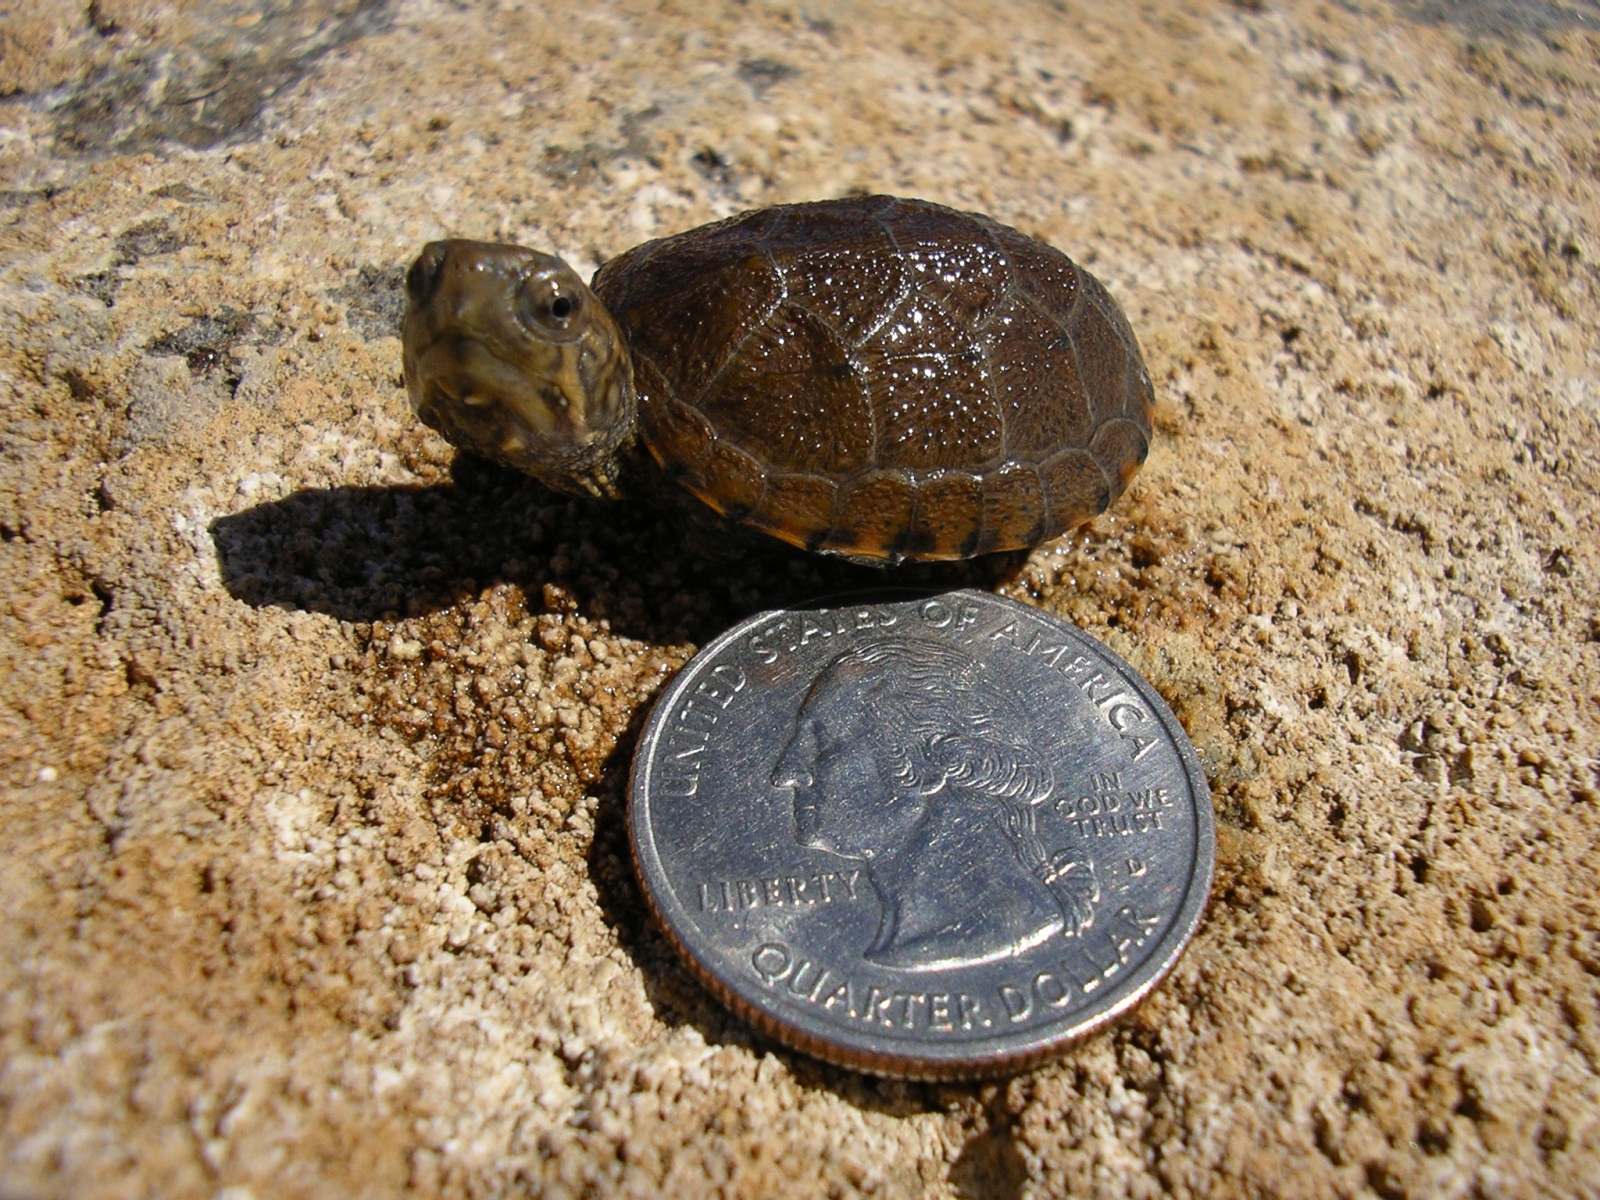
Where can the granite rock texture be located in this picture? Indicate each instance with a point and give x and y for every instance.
(313, 739)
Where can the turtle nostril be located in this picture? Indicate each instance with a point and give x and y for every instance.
(423, 277)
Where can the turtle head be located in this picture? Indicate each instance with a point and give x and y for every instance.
(509, 355)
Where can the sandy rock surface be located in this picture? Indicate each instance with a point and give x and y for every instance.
(314, 739)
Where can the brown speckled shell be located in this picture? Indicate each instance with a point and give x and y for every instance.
(882, 378)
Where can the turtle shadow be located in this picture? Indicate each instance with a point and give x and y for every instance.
(370, 554)
(656, 572)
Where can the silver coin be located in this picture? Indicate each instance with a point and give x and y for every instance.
(932, 837)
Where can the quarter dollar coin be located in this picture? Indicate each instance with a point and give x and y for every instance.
(931, 837)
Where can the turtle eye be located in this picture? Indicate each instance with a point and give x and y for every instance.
(423, 277)
(549, 303)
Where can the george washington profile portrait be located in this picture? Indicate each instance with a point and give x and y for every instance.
(906, 757)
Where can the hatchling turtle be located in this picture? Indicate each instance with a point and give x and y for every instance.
(876, 378)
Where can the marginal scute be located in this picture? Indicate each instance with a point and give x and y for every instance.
(873, 512)
(796, 508)
(676, 435)
(1013, 509)
(730, 480)
(948, 518)
(1075, 488)
(1120, 447)
(1095, 291)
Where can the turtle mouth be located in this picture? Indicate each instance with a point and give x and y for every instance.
(496, 427)
(449, 395)
(478, 421)
(477, 399)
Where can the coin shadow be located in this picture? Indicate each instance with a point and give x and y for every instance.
(679, 999)
(676, 996)
(990, 1166)
(660, 571)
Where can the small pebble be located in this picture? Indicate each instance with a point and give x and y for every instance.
(405, 650)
